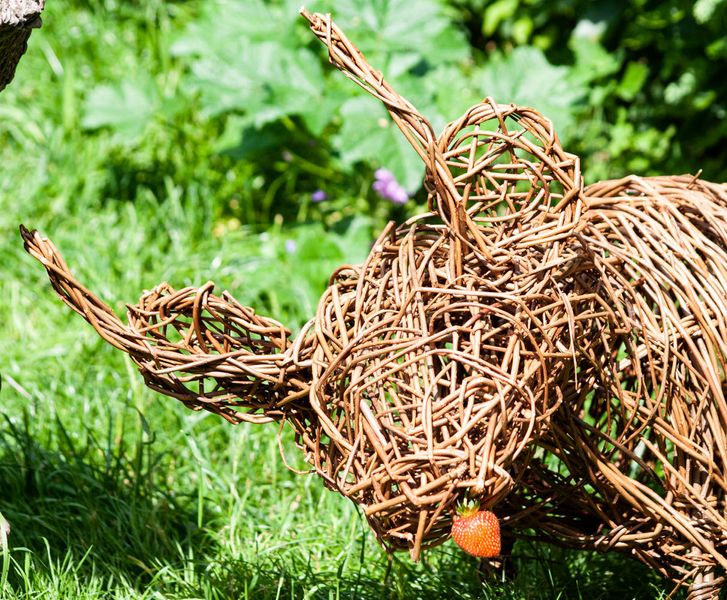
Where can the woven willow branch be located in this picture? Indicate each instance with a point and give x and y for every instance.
(559, 353)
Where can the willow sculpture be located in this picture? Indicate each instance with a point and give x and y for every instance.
(557, 352)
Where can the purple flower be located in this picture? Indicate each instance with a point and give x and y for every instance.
(318, 196)
(290, 246)
(388, 187)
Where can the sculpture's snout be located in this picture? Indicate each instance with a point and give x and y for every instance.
(207, 351)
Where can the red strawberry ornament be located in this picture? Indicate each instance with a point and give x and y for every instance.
(476, 531)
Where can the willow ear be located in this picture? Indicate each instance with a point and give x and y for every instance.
(346, 57)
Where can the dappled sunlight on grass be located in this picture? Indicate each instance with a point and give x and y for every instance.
(188, 506)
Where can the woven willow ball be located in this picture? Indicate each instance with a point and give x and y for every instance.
(506, 167)
(662, 243)
(423, 384)
(638, 450)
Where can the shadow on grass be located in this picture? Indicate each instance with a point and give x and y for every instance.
(110, 501)
(554, 574)
(90, 497)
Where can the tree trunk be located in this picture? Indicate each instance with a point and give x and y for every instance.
(17, 19)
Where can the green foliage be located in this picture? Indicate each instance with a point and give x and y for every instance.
(255, 66)
(524, 76)
(657, 95)
(271, 70)
(126, 108)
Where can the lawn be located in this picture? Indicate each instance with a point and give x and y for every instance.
(111, 490)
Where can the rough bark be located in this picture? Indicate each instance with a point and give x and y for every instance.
(17, 19)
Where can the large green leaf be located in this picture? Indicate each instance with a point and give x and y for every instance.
(592, 60)
(224, 85)
(251, 58)
(127, 108)
(238, 51)
(223, 24)
(368, 134)
(525, 77)
(295, 86)
(397, 34)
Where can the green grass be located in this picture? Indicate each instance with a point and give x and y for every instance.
(113, 491)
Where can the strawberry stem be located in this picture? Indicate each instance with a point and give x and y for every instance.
(469, 507)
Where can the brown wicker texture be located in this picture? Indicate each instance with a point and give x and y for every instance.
(559, 353)
(637, 448)
(649, 424)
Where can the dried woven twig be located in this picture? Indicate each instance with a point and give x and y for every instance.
(495, 164)
(644, 427)
(558, 352)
